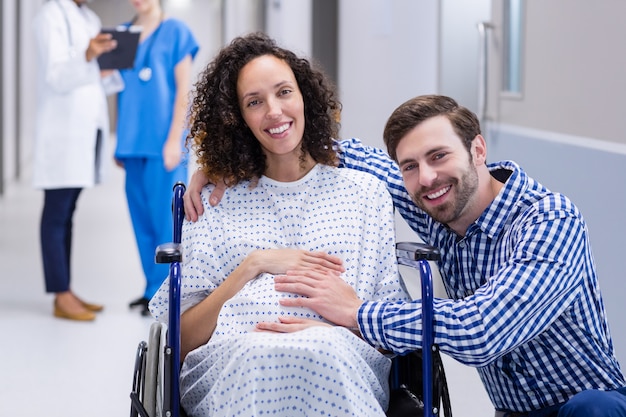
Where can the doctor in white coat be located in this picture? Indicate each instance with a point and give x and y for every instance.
(71, 133)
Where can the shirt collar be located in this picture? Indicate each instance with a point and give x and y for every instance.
(496, 216)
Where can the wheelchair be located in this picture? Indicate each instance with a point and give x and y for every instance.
(418, 385)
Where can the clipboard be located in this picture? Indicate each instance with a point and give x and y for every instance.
(123, 56)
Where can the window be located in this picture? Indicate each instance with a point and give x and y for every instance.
(513, 34)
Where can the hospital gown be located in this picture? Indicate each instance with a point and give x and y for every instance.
(321, 371)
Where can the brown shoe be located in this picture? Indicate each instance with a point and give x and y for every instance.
(80, 316)
(96, 308)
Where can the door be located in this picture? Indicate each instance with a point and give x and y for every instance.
(461, 49)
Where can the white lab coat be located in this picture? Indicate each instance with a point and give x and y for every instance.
(72, 105)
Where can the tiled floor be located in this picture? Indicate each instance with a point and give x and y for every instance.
(58, 368)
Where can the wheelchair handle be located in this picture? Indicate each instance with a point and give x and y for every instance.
(178, 210)
(416, 251)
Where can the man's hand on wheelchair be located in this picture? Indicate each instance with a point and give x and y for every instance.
(191, 199)
(326, 293)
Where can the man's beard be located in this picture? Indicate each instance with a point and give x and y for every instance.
(451, 210)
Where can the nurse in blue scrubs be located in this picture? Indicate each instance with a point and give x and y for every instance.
(151, 131)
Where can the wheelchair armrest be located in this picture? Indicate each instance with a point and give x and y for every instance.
(416, 251)
(167, 253)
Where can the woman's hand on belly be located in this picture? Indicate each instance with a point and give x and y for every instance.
(279, 261)
(289, 325)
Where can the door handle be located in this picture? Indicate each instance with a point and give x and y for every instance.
(483, 60)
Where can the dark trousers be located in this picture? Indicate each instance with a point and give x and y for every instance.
(56, 237)
(589, 403)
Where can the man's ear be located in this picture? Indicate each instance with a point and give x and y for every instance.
(479, 150)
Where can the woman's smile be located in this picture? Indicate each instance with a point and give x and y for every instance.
(279, 129)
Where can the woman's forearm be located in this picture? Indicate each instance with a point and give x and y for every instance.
(198, 323)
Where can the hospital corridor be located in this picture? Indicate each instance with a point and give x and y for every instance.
(545, 81)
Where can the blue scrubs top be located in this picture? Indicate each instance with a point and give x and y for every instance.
(145, 108)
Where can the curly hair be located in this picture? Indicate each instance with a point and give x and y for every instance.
(418, 109)
(225, 147)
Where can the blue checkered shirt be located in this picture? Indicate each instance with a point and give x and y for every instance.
(525, 308)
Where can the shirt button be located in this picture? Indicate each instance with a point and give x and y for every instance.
(462, 245)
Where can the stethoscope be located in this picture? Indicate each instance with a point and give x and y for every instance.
(145, 73)
(70, 39)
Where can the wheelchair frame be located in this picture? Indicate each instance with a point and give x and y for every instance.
(412, 254)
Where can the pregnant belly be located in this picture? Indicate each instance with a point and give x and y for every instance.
(257, 301)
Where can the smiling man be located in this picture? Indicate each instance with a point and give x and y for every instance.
(525, 306)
